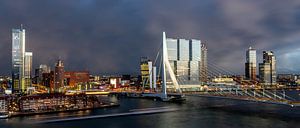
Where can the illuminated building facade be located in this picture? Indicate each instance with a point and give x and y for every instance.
(75, 78)
(27, 70)
(267, 69)
(146, 66)
(115, 82)
(185, 59)
(18, 56)
(250, 65)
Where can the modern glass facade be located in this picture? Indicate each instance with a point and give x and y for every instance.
(267, 69)
(18, 56)
(172, 49)
(250, 65)
(195, 47)
(265, 73)
(27, 70)
(183, 50)
(184, 57)
(194, 73)
(182, 71)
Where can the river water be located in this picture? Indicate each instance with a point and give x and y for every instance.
(195, 112)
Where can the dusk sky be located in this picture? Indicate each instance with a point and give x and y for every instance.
(110, 36)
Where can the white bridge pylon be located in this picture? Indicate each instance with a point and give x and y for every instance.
(166, 64)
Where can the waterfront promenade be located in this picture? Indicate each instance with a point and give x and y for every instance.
(51, 103)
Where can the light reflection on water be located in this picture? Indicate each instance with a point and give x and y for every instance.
(196, 112)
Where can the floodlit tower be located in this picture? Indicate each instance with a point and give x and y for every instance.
(18, 56)
(27, 70)
(250, 65)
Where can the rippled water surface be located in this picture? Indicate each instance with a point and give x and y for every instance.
(196, 112)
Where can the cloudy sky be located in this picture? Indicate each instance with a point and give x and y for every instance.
(109, 36)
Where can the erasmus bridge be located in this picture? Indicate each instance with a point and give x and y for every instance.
(176, 86)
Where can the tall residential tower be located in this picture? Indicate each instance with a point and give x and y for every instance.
(58, 77)
(267, 69)
(250, 65)
(27, 70)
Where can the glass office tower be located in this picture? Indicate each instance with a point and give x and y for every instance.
(267, 69)
(250, 65)
(18, 56)
(184, 57)
(27, 70)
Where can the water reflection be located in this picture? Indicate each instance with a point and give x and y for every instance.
(196, 112)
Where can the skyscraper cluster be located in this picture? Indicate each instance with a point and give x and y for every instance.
(188, 59)
(267, 69)
(21, 62)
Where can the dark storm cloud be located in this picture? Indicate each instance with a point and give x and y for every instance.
(109, 36)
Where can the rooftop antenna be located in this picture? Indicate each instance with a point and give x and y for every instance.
(21, 26)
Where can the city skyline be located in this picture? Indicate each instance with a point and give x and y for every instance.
(58, 36)
(146, 63)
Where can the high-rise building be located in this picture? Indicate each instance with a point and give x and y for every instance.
(250, 65)
(40, 71)
(27, 70)
(58, 77)
(203, 64)
(146, 66)
(18, 56)
(267, 69)
(44, 69)
(184, 57)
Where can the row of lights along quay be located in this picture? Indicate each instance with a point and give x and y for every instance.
(49, 103)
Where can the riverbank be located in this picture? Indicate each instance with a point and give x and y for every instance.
(17, 114)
